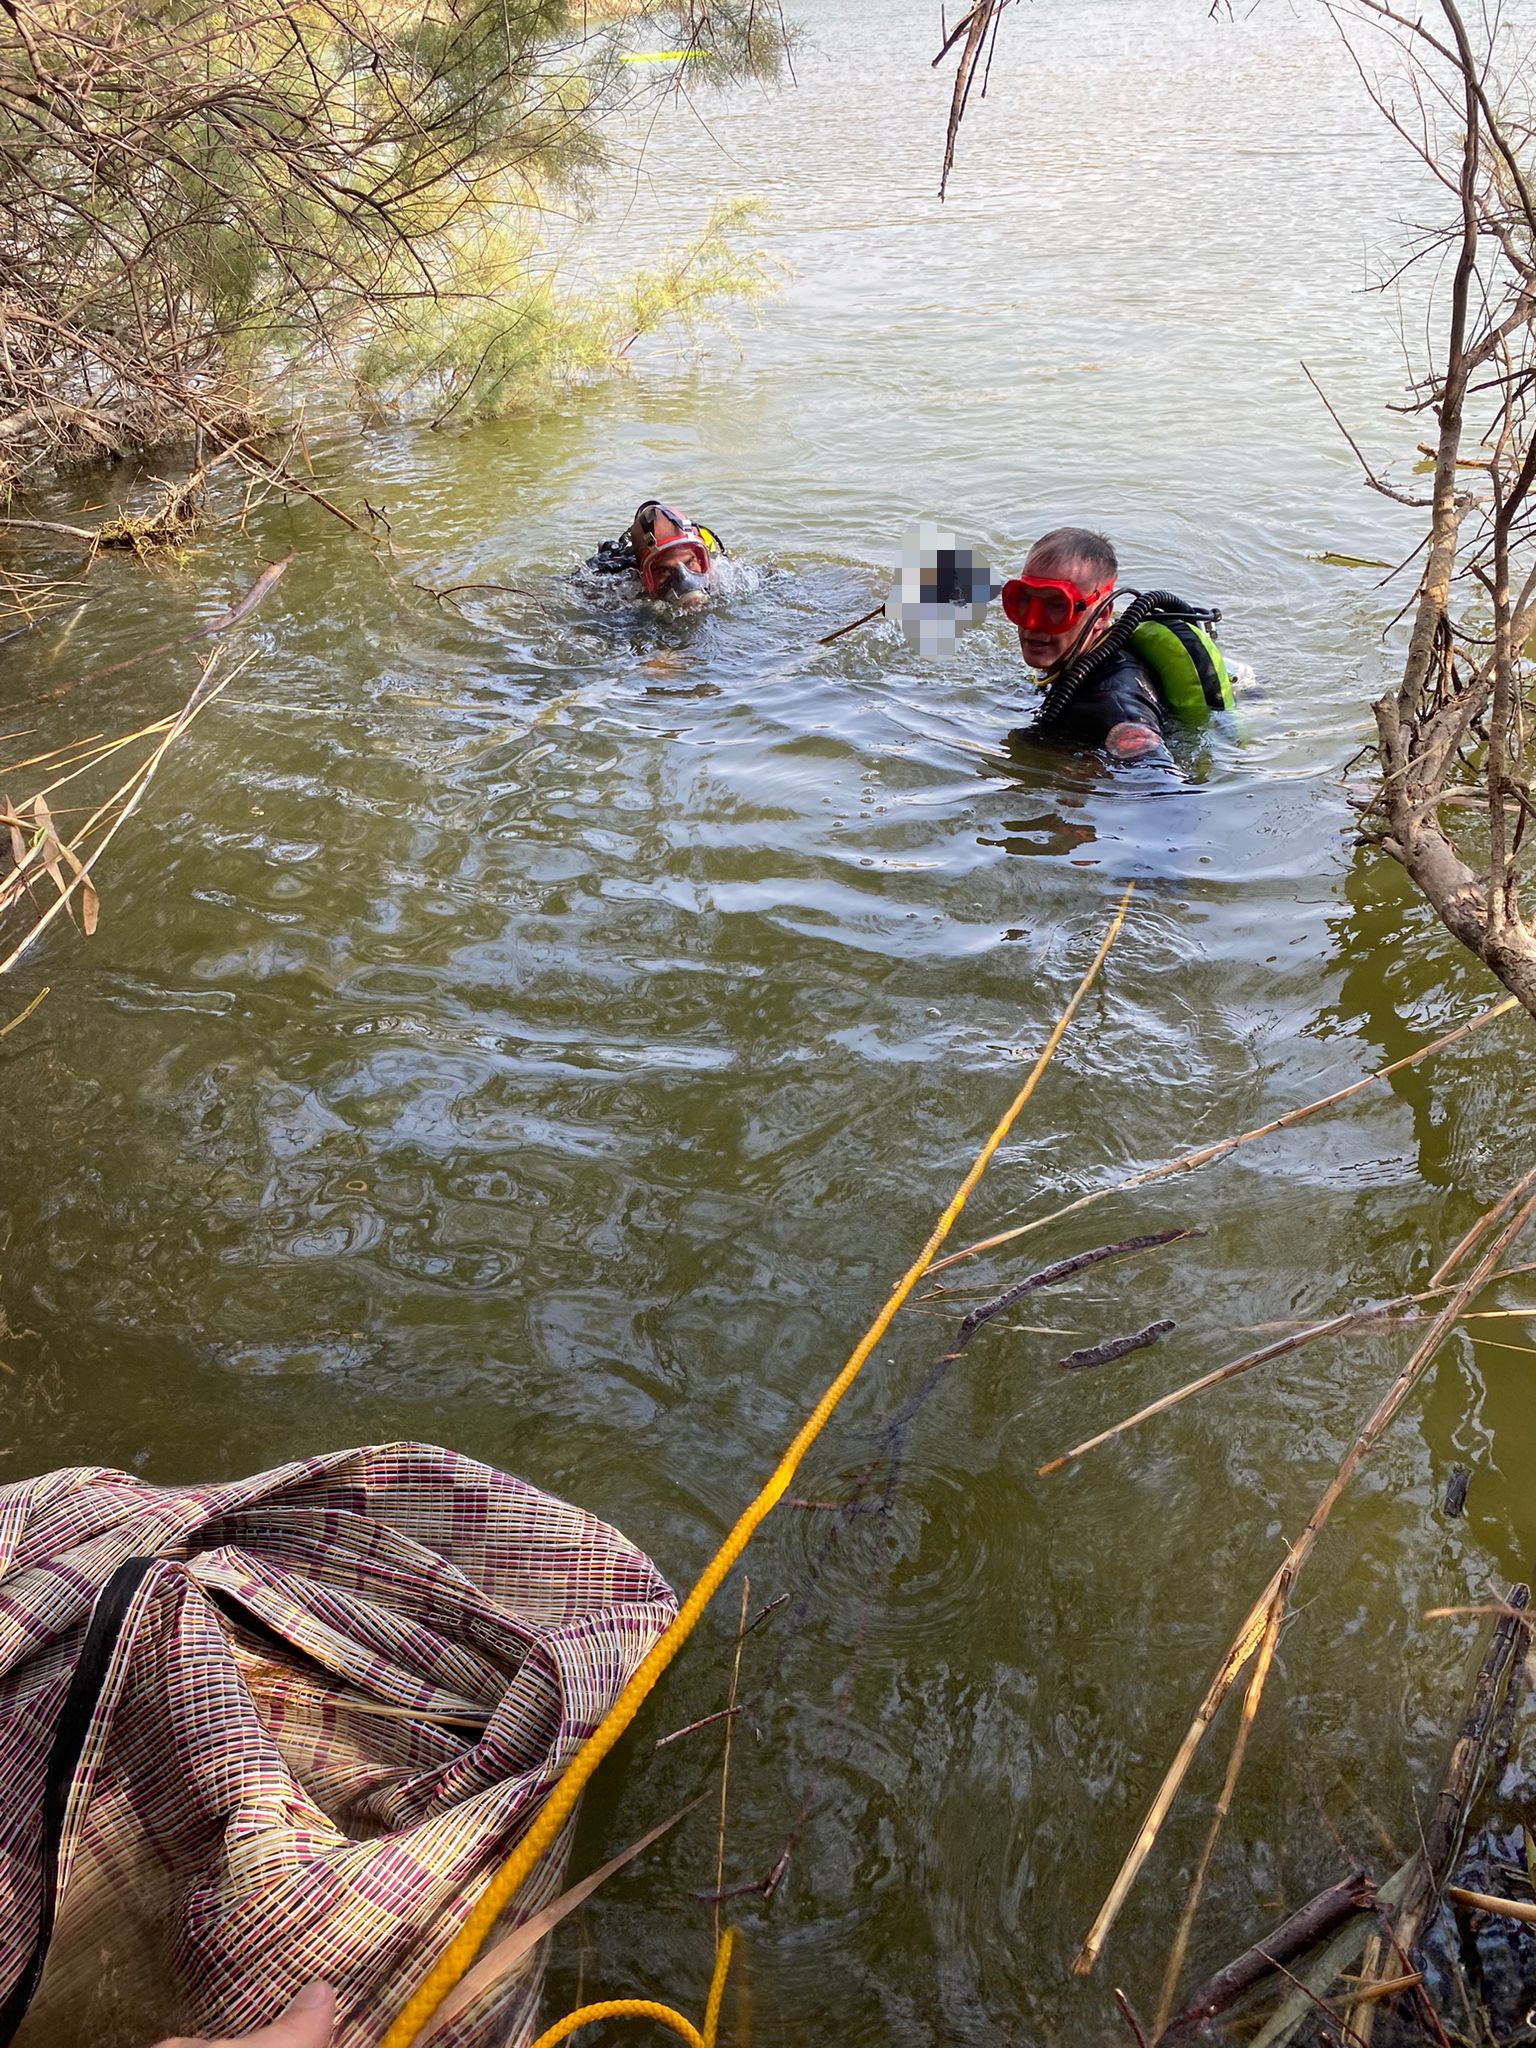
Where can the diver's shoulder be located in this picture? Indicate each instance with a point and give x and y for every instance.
(612, 557)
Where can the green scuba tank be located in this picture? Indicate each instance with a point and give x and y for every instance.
(1186, 664)
(1176, 643)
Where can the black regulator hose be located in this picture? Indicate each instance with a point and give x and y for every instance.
(1062, 692)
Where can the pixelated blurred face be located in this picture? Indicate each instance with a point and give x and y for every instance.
(939, 588)
(1042, 646)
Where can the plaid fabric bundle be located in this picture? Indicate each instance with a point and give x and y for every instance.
(285, 1728)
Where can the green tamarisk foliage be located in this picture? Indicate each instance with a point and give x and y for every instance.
(199, 196)
(489, 346)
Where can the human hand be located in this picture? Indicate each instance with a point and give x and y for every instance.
(305, 2022)
(1129, 741)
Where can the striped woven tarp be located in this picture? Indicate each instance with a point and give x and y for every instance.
(284, 1728)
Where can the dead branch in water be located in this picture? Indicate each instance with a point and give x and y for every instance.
(1115, 1347)
(1264, 1617)
(1454, 728)
(1300, 1931)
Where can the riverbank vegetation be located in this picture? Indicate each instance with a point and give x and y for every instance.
(1452, 800)
(207, 208)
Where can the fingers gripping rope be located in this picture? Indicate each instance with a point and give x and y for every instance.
(567, 1790)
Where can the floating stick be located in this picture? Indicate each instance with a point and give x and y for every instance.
(22, 1015)
(852, 627)
(1175, 1964)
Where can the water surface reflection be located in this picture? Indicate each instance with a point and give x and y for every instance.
(549, 1030)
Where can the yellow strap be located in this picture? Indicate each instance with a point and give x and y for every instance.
(568, 1788)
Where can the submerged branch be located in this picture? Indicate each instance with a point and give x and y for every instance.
(1272, 1602)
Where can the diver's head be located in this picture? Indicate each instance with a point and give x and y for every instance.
(1062, 600)
(671, 555)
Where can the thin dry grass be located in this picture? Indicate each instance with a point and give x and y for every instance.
(51, 867)
(51, 870)
(26, 597)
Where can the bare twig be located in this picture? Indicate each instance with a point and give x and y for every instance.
(1274, 1597)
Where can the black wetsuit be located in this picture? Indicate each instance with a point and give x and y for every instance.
(1123, 692)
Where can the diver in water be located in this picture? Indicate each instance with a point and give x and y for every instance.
(1119, 684)
(663, 555)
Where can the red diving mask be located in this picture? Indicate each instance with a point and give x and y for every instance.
(675, 543)
(1049, 604)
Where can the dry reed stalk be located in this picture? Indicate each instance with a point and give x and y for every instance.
(89, 758)
(21, 1017)
(1389, 1987)
(1485, 1902)
(30, 597)
(1305, 1335)
(1272, 1601)
(1480, 1229)
(53, 753)
(1174, 1967)
(119, 807)
(33, 819)
(1503, 1608)
(1385, 1309)
(1188, 1161)
(725, 1754)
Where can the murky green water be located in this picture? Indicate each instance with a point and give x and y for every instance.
(549, 1031)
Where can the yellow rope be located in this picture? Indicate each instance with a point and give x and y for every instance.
(717, 1986)
(649, 2009)
(621, 2009)
(568, 1788)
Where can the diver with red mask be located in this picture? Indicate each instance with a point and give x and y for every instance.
(1062, 604)
(664, 556)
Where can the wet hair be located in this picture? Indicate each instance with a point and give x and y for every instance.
(1067, 549)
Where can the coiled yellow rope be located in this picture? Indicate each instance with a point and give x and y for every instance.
(649, 2009)
(567, 1790)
